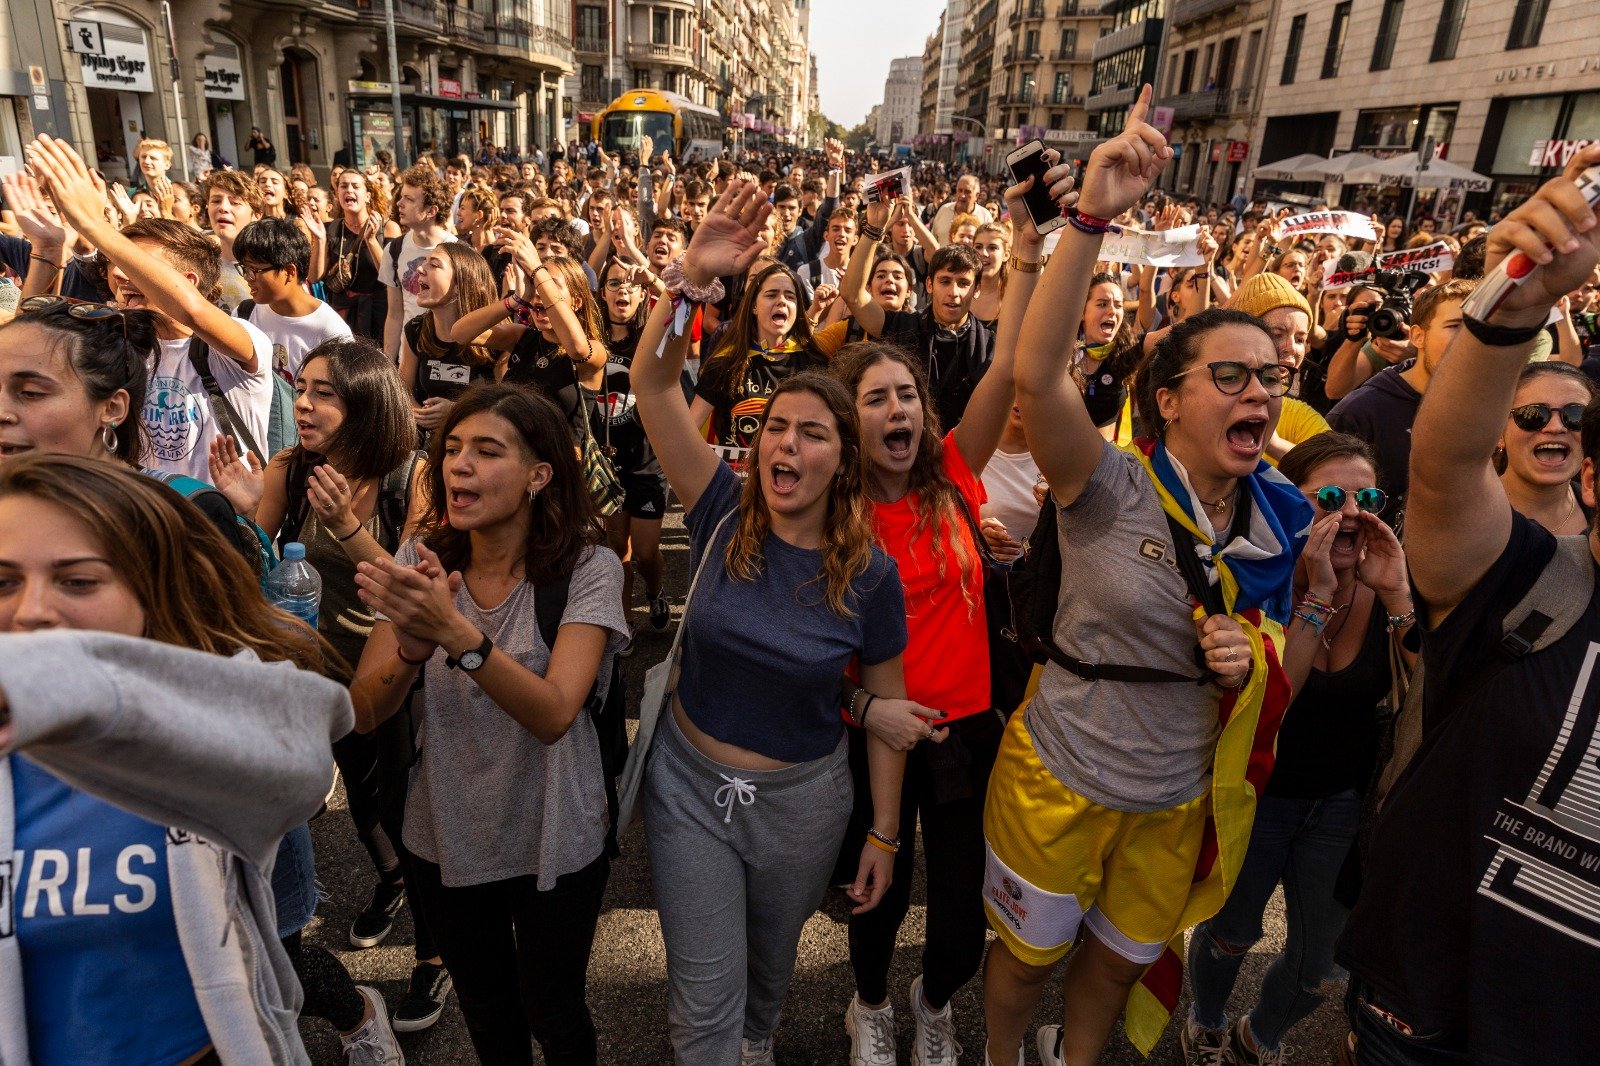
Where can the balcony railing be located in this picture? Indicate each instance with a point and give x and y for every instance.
(1111, 99)
(1026, 12)
(1070, 55)
(1066, 99)
(422, 16)
(464, 23)
(1187, 11)
(594, 45)
(661, 53)
(1144, 33)
(1212, 103)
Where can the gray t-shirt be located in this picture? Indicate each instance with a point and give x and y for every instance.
(1127, 746)
(489, 800)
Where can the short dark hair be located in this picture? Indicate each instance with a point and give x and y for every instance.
(1300, 461)
(812, 185)
(694, 189)
(783, 193)
(185, 249)
(1469, 261)
(275, 242)
(676, 225)
(558, 229)
(421, 176)
(956, 259)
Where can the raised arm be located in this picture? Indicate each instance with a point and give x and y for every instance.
(1451, 547)
(1061, 435)
(50, 239)
(164, 288)
(725, 243)
(853, 289)
(978, 433)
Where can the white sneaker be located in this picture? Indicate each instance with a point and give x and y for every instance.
(871, 1033)
(987, 1061)
(936, 1032)
(1048, 1040)
(373, 1044)
(756, 1052)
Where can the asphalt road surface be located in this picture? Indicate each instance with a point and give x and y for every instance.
(627, 976)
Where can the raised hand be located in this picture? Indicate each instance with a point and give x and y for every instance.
(329, 495)
(419, 600)
(1555, 228)
(520, 247)
(36, 215)
(731, 236)
(124, 203)
(647, 147)
(833, 152)
(69, 181)
(1058, 179)
(1123, 169)
(1383, 563)
(237, 475)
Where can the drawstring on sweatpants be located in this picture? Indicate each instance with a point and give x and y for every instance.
(736, 789)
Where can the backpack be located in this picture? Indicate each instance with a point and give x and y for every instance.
(281, 431)
(610, 715)
(251, 540)
(394, 502)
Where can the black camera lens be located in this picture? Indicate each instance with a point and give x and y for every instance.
(1390, 322)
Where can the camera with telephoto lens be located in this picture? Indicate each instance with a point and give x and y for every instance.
(1392, 318)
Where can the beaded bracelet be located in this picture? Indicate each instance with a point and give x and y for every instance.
(1083, 223)
(871, 233)
(1312, 620)
(883, 843)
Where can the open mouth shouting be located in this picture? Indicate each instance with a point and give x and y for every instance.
(1247, 436)
(897, 442)
(459, 500)
(1552, 455)
(784, 479)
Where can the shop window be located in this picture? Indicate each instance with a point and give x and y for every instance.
(1291, 53)
(1334, 52)
(1392, 129)
(1527, 23)
(1526, 120)
(1388, 30)
(1448, 33)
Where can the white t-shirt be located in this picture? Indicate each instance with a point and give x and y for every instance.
(1009, 479)
(411, 256)
(177, 412)
(947, 215)
(292, 338)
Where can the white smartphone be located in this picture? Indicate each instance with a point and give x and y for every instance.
(1028, 162)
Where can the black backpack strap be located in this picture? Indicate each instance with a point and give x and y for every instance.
(394, 506)
(244, 309)
(228, 420)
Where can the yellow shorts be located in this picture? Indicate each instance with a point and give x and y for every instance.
(1057, 860)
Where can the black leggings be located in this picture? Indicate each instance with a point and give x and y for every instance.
(376, 768)
(944, 785)
(329, 989)
(520, 960)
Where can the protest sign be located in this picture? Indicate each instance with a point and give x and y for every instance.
(1167, 248)
(888, 186)
(1430, 258)
(1344, 223)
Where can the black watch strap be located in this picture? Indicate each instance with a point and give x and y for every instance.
(1499, 336)
(482, 649)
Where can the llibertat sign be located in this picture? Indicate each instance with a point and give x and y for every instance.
(1344, 223)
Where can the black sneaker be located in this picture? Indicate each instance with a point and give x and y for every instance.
(660, 612)
(627, 645)
(375, 923)
(424, 1002)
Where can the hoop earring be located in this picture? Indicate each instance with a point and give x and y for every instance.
(108, 437)
(532, 492)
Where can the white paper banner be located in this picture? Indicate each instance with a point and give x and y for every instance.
(1344, 223)
(887, 186)
(1430, 259)
(1166, 249)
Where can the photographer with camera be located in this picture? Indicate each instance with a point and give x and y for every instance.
(1375, 328)
(1382, 410)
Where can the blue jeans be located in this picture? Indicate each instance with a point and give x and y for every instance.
(1303, 843)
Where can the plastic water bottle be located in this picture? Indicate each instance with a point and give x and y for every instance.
(295, 585)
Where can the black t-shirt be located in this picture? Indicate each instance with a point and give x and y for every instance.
(446, 375)
(614, 416)
(1381, 411)
(737, 406)
(342, 241)
(954, 360)
(1480, 911)
(1329, 738)
(545, 366)
(1311, 383)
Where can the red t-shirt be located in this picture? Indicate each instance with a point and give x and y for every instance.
(947, 658)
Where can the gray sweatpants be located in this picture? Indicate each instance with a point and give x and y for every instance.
(739, 860)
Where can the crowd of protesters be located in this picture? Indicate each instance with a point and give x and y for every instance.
(1106, 584)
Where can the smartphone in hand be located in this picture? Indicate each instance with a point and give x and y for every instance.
(1027, 162)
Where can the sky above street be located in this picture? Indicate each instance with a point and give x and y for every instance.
(854, 41)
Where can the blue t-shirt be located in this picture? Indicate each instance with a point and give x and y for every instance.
(103, 974)
(762, 659)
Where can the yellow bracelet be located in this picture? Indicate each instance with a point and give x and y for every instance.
(1026, 266)
(882, 843)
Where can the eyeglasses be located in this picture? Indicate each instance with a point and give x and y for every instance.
(1231, 377)
(1532, 417)
(1371, 500)
(618, 285)
(250, 273)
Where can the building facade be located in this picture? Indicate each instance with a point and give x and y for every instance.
(902, 96)
(1041, 82)
(974, 85)
(1125, 57)
(1508, 90)
(314, 78)
(1216, 52)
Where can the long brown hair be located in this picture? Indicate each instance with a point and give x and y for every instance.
(562, 521)
(588, 309)
(847, 532)
(741, 335)
(176, 563)
(932, 495)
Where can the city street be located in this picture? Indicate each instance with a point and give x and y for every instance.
(627, 977)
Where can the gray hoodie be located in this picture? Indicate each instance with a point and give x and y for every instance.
(230, 753)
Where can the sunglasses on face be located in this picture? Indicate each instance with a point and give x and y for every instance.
(1231, 377)
(1331, 498)
(1532, 417)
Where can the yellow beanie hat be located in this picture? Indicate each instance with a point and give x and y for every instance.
(1265, 292)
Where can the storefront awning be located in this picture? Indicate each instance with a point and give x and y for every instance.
(456, 103)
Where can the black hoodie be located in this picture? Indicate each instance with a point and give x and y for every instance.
(1381, 412)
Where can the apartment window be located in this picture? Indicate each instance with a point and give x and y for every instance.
(1448, 34)
(1208, 79)
(1025, 90)
(1186, 79)
(1063, 88)
(660, 27)
(1527, 23)
(1291, 53)
(1227, 57)
(1247, 76)
(592, 25)
(1030, 44)
(1388, 30)
(1335, 50)
(1069, 42)
(1172, 74)
(594, 82)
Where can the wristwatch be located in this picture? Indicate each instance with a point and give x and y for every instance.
(472, 659)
